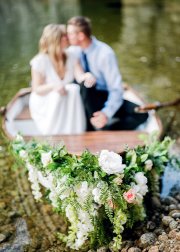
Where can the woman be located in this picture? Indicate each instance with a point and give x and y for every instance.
(55, 104)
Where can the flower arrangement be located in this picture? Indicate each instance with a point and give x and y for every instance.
(101, 194)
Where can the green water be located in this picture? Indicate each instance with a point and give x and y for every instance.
(145, 38)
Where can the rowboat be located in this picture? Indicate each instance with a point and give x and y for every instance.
(17, 119)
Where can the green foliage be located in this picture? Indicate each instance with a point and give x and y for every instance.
(97, 204)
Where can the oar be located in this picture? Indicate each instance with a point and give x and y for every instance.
(156, 106)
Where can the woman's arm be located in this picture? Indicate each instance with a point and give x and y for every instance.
(40, 88)
(38, 85)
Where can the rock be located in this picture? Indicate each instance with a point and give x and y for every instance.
(173, 211)
(176, 248)
(172, 207)
(2, 205)
(156, 202)
(2, 162)
(102, 249)
(134, 249)
(2, 238)
(176, 215)
(163, 237)
(170, 200)
(153, 249)
(147, 239)
(158, 231)
(178, 236)
(13, 214)
(173, 224)
(151, 225)
(172, 234)
(122, 250)
(161, 247)
(166, 220)
(177, 197)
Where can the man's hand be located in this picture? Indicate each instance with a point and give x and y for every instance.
(99, 119)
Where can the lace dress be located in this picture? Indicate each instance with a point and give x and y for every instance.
(55, 114)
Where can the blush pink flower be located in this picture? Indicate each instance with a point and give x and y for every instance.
(130, 195)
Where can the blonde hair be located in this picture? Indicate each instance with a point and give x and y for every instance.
(49, 42)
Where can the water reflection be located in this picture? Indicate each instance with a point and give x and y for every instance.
(145, 39)
(170, 180)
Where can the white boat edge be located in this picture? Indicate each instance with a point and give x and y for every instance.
(27, 127)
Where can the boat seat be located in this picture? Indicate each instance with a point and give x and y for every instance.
(24, 114)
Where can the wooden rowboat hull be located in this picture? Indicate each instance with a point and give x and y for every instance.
(17, 119)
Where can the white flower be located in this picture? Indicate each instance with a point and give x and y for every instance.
(19, 138)
(54, 198)
(82, 190)
(23, 154)
(44, 181)
(80, 234)
(111, 162)
(46, 158)
(96, 193)
(96, 176)
(141, 189)
(70, 213)
(140, 178)
(79, 242)
(37, 195)
(148, 165)
(65, 194)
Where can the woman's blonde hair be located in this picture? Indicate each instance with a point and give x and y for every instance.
(50, 41)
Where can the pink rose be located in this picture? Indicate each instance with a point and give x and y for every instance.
(130, 195)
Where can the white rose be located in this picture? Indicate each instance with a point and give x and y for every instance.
(141, 189)
(111, 162)
(148, 165)
(140, 178)
(46, 158)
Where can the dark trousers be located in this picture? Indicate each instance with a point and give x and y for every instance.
(125, 117)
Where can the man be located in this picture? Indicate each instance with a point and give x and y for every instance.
(104, 104)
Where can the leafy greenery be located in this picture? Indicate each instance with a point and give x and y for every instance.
(99, 195)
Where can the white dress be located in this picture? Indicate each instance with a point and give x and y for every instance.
(55, 114)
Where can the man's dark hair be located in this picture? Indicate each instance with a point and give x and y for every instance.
(82, 23)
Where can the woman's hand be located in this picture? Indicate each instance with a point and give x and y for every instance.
(61, 90)
(89, 80)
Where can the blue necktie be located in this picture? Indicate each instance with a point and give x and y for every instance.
(85, 63)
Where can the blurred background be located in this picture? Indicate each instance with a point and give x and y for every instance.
(145, 35)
